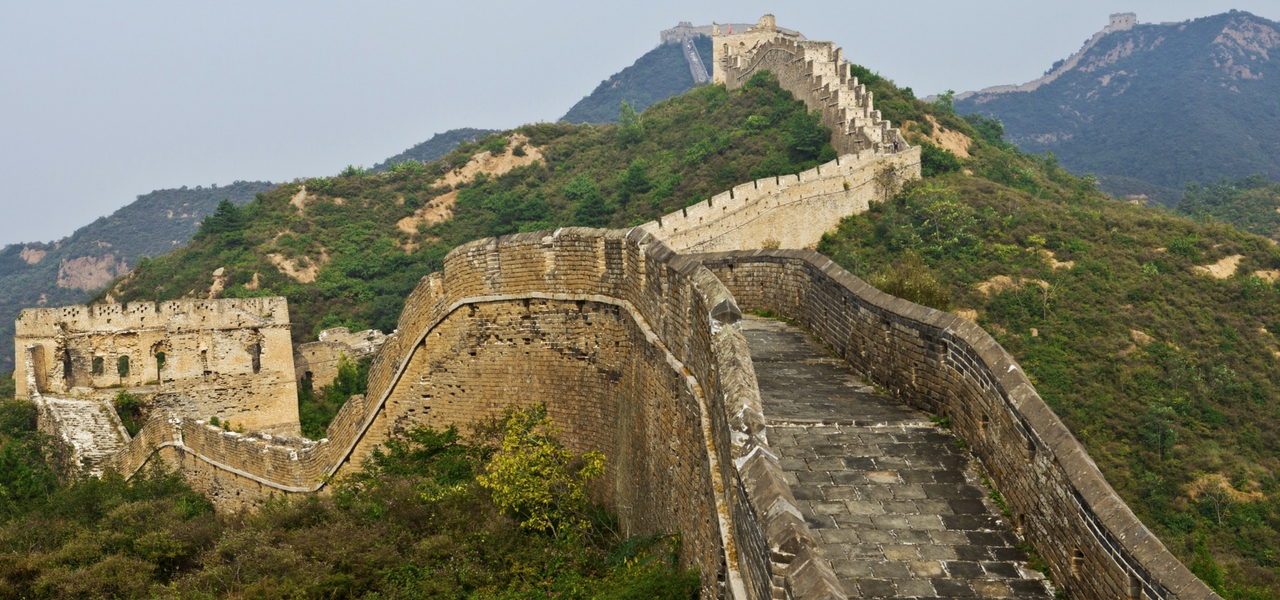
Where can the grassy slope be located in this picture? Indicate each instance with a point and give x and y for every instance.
(684, 150)
(1199, 399)
(1170, 113)
(658, 75)
(149, 226)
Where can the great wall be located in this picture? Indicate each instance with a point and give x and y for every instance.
(794, 467)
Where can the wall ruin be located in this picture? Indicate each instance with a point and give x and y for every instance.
(227, 358)
(316, 363)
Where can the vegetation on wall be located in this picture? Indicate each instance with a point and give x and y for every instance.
(413, 523)
(678, 152)
(1166, 374)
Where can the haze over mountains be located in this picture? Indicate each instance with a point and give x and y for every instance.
(1151, 107)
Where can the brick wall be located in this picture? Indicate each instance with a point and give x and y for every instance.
(1095, 546)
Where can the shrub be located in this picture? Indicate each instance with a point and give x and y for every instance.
(937, 161)
(537, 481)
(129, 408)
(909, 278)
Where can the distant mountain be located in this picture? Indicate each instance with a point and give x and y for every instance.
(659, 74)
(439, 145)
(1162, 104)
(66, 271)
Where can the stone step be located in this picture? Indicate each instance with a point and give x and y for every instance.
(91, 428)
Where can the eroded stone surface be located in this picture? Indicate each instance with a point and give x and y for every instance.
(897, 505)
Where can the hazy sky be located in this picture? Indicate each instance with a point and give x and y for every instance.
(100, 102)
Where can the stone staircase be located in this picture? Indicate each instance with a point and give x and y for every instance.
(91, 429)
(895, 502)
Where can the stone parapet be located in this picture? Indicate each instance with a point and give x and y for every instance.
(787, 211)
(1095, 546)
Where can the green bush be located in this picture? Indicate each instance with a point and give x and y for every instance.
(317, 408)
(130, 409)
(412, 523)
(911, 279)
(937, 161)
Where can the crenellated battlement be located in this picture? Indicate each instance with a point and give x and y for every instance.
(174, 315)
(786, 211)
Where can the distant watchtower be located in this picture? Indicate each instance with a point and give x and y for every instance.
(1122, 21)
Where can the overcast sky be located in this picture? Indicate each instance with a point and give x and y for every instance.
(101, 102)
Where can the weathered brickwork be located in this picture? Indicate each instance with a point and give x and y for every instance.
(225, 358)
(316, 363)
(788, 211)
(1096, 547)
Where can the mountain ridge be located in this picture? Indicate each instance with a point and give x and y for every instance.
(1166, 104)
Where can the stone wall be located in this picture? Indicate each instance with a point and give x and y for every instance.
(789, 211)
(817, 74)
(635, 351)
(1095, 546)
(316, 363)
(226, 358)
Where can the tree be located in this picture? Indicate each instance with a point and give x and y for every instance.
(936, 161)
(227, 218)
(592, 209)
(1157, 428)
(630, 128)
(531, 477)
(806, 136)
(634, 181)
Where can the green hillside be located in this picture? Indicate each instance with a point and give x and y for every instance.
(68, 270)
(658, 75)
(439, 145)
(1249, 203)
(1164, 104)
(679, 152)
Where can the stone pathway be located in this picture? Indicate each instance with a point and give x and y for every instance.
(897, 507)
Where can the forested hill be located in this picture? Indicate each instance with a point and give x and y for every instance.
(658, 75)
(1164, 104)
(66, 271)
(348, 249)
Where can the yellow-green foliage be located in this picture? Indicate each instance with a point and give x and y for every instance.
(910, 278)
(536, 480)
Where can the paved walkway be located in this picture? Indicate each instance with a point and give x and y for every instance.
(893, 499)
